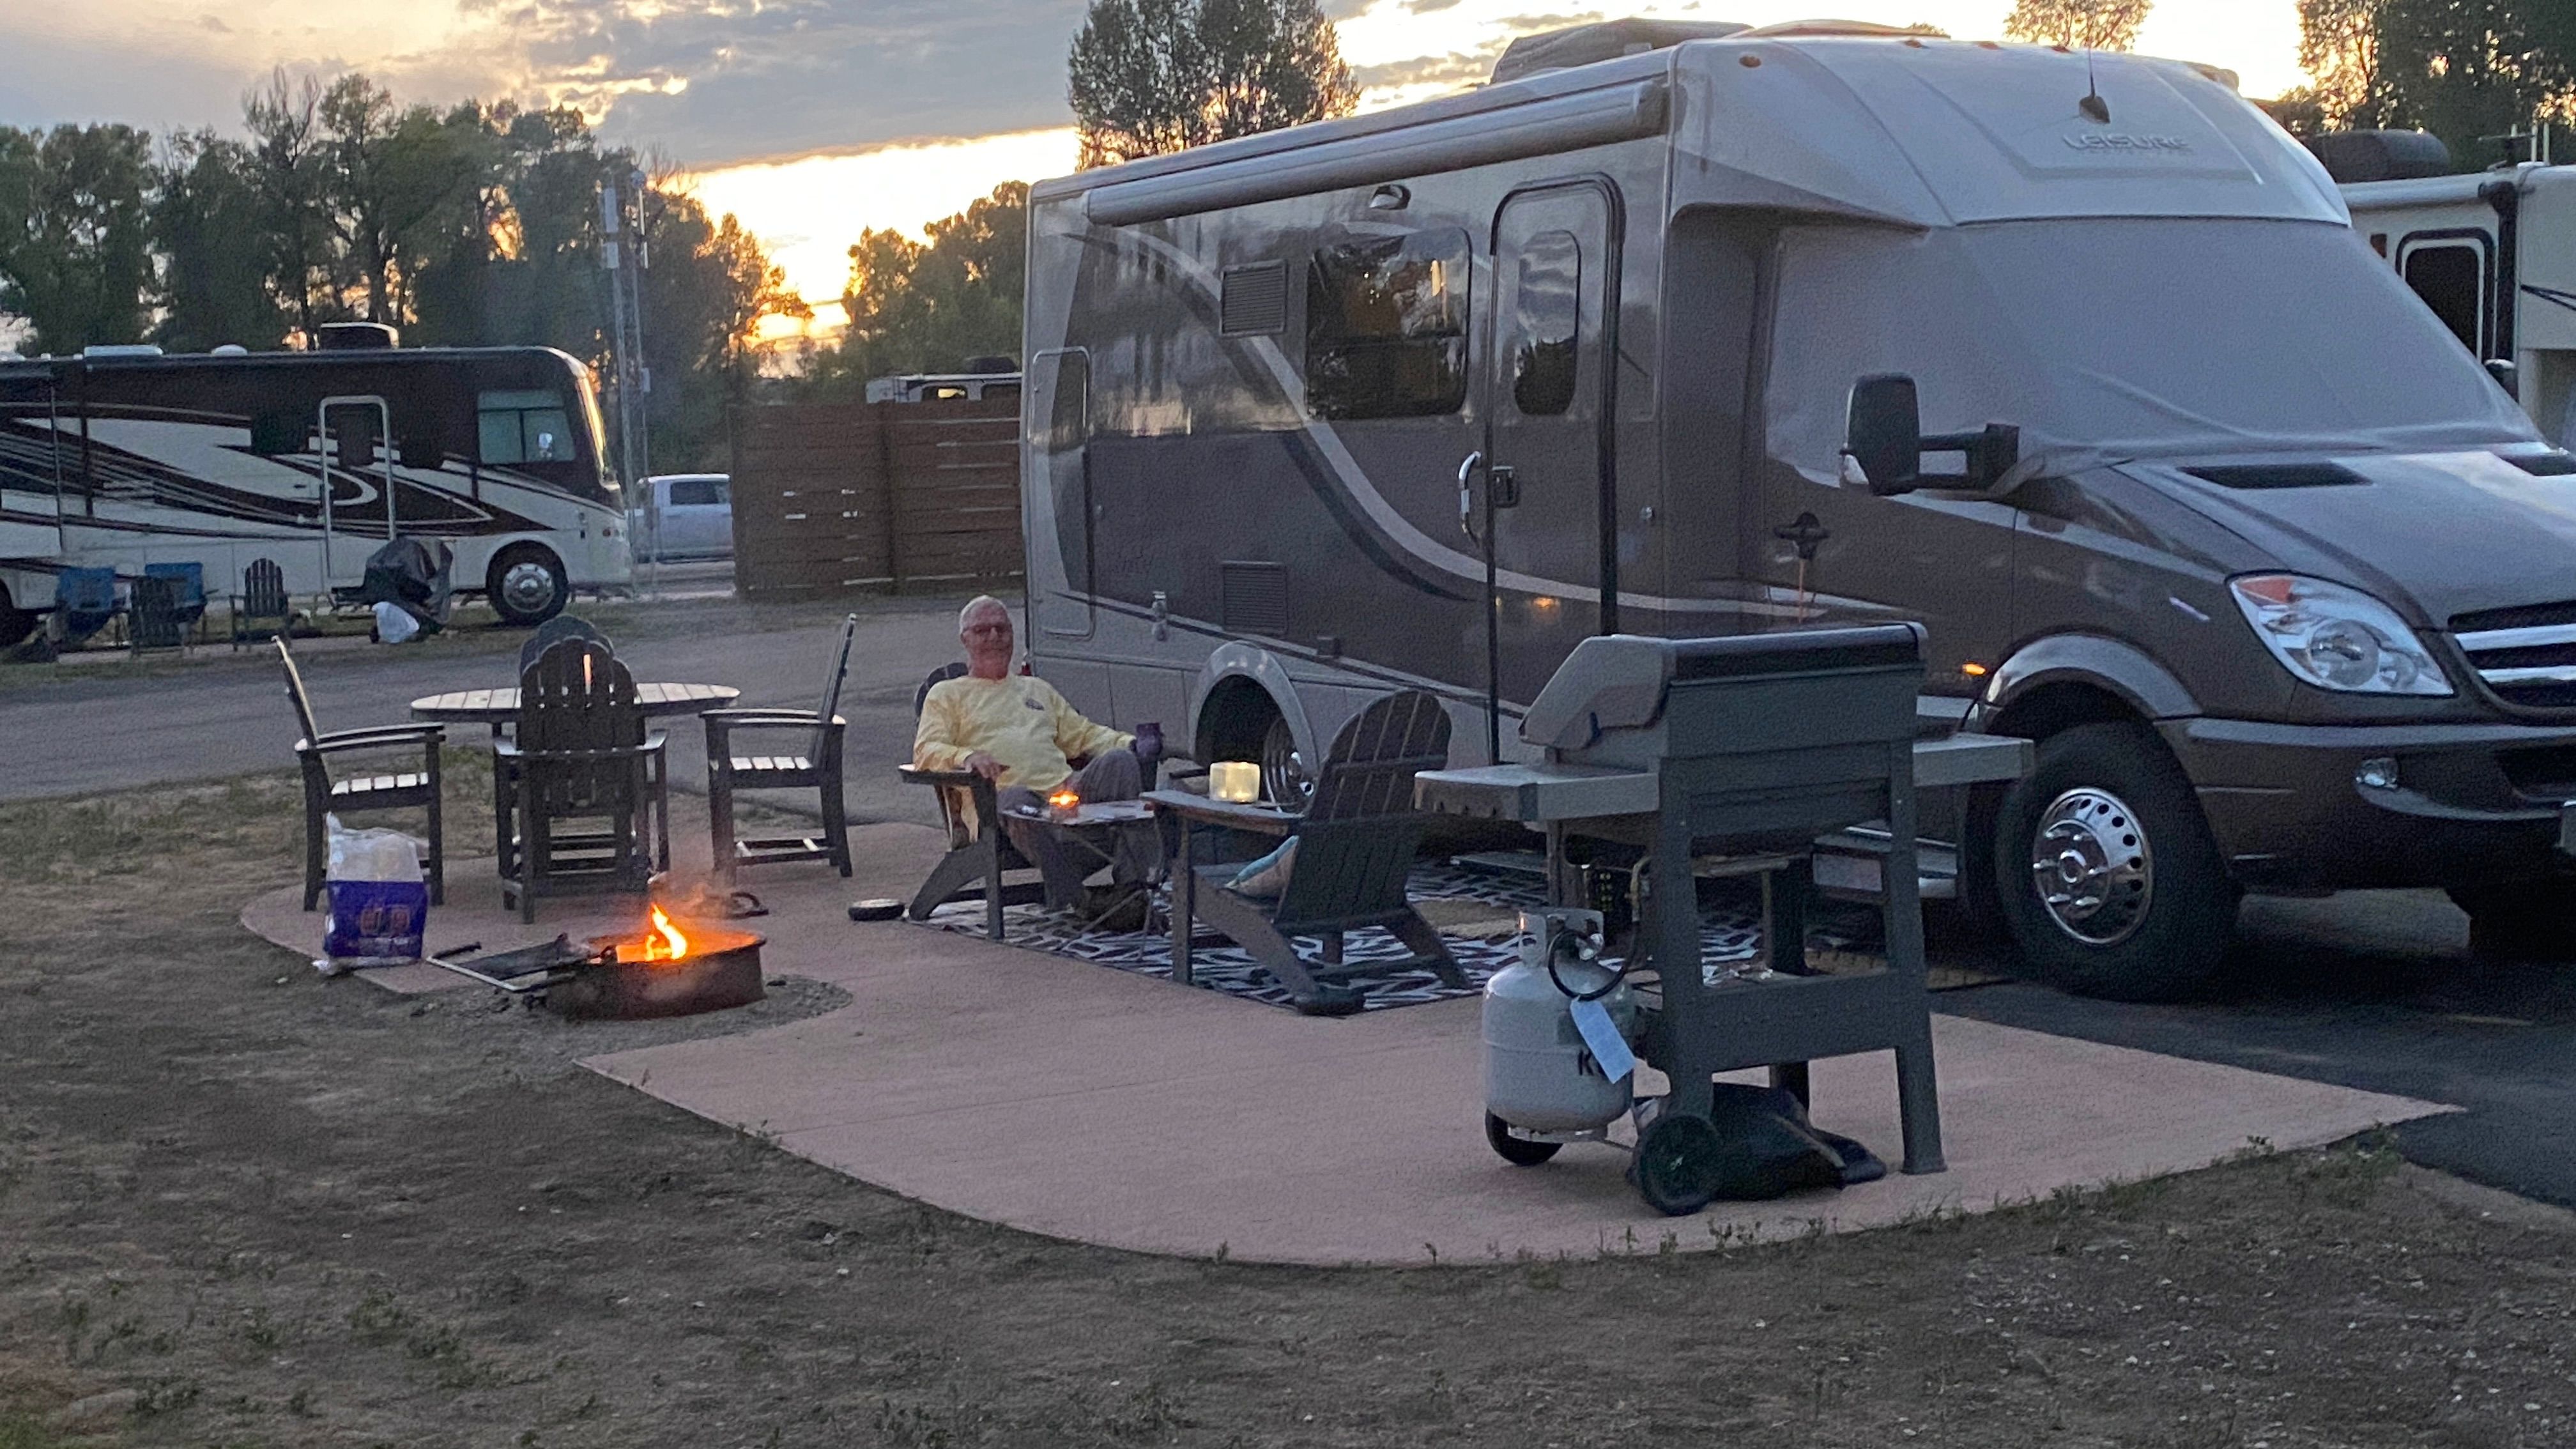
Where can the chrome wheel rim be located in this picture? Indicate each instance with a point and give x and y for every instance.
(528, 587)
(2091, 866)
(1283, 769)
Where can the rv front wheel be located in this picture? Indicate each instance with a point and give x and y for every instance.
(527, 585)
(2105, 871)
(15, 623)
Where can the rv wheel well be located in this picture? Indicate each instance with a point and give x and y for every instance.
(1234, 720)
(2062, 706)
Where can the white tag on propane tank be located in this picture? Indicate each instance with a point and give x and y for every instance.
(1601, 1036)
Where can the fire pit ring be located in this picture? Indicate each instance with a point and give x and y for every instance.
(721, 969)
(628, 977)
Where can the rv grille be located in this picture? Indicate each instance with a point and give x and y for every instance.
(1255, 301)
(1256, 598)
(2527, 655)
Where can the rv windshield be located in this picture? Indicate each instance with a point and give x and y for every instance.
(2112, 339)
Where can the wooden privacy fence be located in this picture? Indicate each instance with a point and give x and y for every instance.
(834, 497)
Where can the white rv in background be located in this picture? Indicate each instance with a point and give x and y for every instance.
(2493, 253)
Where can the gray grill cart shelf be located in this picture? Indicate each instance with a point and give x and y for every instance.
(1733, 756)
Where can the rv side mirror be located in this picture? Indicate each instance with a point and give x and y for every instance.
(1883, 432)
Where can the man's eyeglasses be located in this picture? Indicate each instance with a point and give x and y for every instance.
(972, 630)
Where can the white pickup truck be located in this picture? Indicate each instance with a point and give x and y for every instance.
(683, 516)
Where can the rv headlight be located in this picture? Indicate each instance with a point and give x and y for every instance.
(2336, 638)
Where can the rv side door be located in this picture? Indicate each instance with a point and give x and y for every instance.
(358, 509)
(1544, 392)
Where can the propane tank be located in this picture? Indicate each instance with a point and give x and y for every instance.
(1539, 1076)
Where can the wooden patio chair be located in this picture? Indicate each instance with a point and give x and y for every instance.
(358, 793)
(554, 631)
(581, 754)
(156, 615)
(812, 761)
(1354, 850)
(262, 599)
(980, 858)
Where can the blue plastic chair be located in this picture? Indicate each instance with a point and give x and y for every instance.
(191, 578)
(85, 600)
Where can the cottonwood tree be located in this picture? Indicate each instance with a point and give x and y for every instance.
(2466, 70)
(75, 233)
(927, 306)
(209, 224)
(1147, 77)
(2078, 24)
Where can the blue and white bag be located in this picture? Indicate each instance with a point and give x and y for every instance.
(379, 903)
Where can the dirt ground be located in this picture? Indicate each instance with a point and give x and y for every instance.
(244, 1206)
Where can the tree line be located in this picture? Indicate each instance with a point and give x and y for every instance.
(2477, 73)
(478, 225)
(1144, 77)
(2469, 71)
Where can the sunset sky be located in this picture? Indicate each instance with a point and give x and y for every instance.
(812, 119)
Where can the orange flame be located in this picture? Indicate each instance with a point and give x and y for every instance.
(1064, 799)
(666, 944)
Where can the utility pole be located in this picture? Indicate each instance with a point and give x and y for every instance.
(625, 256)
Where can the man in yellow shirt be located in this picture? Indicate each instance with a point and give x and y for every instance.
(1016, 731)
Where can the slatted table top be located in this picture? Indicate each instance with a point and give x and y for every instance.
(500, 706)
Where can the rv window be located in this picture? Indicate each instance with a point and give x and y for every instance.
(1386, 326)
(2451, 279)
(1547, 312)
(527, 425)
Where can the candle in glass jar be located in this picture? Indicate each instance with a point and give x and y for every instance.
(1238, 781)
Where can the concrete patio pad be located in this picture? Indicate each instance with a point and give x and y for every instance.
(1087, 1103)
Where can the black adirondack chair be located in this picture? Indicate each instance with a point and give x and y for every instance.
(581, 759)
(1355, 847)
(262, 601)
(555, 630)
(354, 791)
(980, 858)
(811, 761)
(154, 615)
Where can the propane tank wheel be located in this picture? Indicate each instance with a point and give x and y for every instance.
(1516, 1150)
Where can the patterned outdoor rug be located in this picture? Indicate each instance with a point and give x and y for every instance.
(1473, 908)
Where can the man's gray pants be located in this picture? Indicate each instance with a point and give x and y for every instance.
(1115, 775)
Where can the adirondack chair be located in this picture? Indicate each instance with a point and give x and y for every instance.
(812, 761)
(153, 615)
(561, 627)
(353, 793)
(505, 785)
(263, 598)
(1354, 850)
(980, 856)
(581, 755)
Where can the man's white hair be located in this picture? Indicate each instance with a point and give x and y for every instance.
(980, 601)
